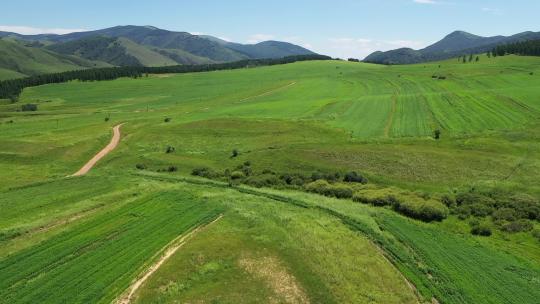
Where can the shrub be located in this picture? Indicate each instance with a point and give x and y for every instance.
(107, 119)
(170, 149)
(29, 107)
(448, 201)
(237, 175)
(518, 226)
(172, 169)
(331, 177)
(481, 229)
(323, 187)
(294, 179)
(504, 214)
(353, 177)
(536, 234)
(140, 166)
(204, 172)
(339, 191)
(437, 134)
(376, 198)
(167, 119)
(319, 186)
(264, 180)
(423, 210)
(408, 204)
(234, 153)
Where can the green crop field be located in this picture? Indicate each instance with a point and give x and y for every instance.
(259, 139)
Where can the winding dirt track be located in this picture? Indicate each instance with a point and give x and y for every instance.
(171, 248)
(91, 163)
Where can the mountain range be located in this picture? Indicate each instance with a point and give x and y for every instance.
(456, 44)
(126, 46)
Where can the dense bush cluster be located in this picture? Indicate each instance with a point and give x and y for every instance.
(10, 89)
(408, 204)
(508, 212)
(321, 186)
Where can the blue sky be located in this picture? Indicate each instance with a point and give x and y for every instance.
(341, 28)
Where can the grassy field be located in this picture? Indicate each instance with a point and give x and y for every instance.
(86, 239)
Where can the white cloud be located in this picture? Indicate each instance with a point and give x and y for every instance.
(425, 1)
(256, 38)
(346, 47)
(494, 11)
(27, 30)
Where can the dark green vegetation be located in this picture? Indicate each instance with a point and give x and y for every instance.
(125, 46)
(527, 48)
(455, 213)
(454, 45)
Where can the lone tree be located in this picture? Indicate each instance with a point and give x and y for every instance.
(477, 59)
(470, 57)
(464, 59)
(489, 54)
(437, 134)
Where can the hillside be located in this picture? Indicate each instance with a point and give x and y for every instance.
(456, 44)
(150, 46)
(17, 60)
(115, 51)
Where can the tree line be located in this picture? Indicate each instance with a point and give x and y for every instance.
(527, 48)
(11, 89)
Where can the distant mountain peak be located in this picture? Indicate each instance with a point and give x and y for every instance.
(455, 44)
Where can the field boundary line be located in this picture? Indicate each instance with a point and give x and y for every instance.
(111, 146)
(168, 251)
(267, 92)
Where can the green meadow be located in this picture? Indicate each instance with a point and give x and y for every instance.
(87, 239)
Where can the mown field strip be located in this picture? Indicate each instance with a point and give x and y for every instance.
(96, 260)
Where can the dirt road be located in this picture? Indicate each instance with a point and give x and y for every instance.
(114, 142)
(171, 249)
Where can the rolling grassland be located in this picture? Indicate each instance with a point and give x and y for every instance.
(87, 239)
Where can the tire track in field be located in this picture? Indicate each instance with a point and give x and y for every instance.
(111, 146)
(169, 250)
(391, 117)
(267, 92)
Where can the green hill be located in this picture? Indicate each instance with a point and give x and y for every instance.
(21, 60)
(115, 51)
